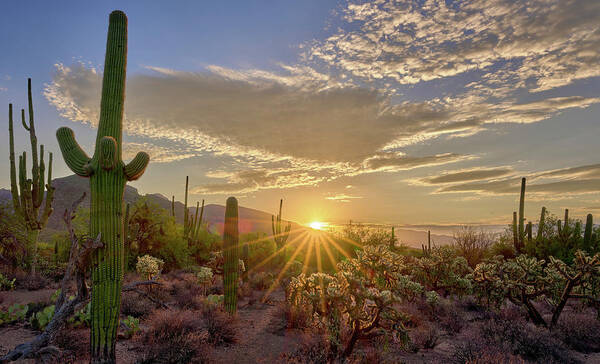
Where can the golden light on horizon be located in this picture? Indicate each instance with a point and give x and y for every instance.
(318, 225)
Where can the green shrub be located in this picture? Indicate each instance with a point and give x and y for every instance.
(6, 284)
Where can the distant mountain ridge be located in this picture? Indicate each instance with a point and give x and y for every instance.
(72, 187)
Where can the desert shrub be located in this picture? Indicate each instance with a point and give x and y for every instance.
(580, 331)
(471, 244)
(424, 337)
(13, 238)
(130, 326)
(313, 349)
(219, 325)
(148, 267)
(133, 304)
(449, 316)
(41, 319)
(503, 247)
(14, 313)
(474, 351)
(261, 280)
(75, 345)
(6, 284)
(526, 340)
(30, 282)
(174, 336)
(187, 293)
(82, 317)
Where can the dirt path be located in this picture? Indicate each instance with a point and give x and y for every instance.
(8, 298)
(260, 338)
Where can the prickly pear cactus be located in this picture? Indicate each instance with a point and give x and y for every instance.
(230, 252)
(108, 176)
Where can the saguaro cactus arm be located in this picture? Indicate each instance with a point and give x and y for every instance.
(75, 158)
(134, 169)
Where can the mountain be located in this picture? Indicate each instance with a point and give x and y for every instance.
(69, 188)
(250, 220)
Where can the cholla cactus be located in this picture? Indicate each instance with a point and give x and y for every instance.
(444, 271)
(525, 279)
(363, 293)
(205, 277)
(148, 266)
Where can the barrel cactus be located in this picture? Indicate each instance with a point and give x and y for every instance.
(230, 252)
(108, 176)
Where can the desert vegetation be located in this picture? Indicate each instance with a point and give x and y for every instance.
(129, 283)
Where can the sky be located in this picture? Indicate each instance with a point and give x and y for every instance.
(402, 112)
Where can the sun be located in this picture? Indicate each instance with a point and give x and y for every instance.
(318, 225)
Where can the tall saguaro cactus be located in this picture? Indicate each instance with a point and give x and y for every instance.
(231, 255)
(28, 195)
(108, 176)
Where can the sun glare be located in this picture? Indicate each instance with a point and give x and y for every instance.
(318, 225)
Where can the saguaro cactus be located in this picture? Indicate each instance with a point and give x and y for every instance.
(280, 235)
(191, 225)
(587, 236)
(29, 194)
(108, 176)
(541, 225)
(231, 255)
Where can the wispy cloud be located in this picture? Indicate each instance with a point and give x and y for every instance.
(553, 184)
(539, 44)
(342, 197)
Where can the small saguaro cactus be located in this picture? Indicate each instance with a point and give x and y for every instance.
(108, 176)
(518, 226)
(541, 225)
(191, 225)
(427, 248)
(587, 236)
(231, 255)
(28, 195)
(280, 235)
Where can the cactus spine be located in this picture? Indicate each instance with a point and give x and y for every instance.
(108, 176)
(230, 254)
(515, 232)
(28, 195)
(280, 235)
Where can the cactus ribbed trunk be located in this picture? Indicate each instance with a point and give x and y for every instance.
(108, 176)
(231, 255)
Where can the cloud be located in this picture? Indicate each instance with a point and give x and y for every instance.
(539, 44)
(301, 125)
(252, 180)
(341, 197)
(398, 162)
(158, 154)
(553, 184)
(467, 175)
